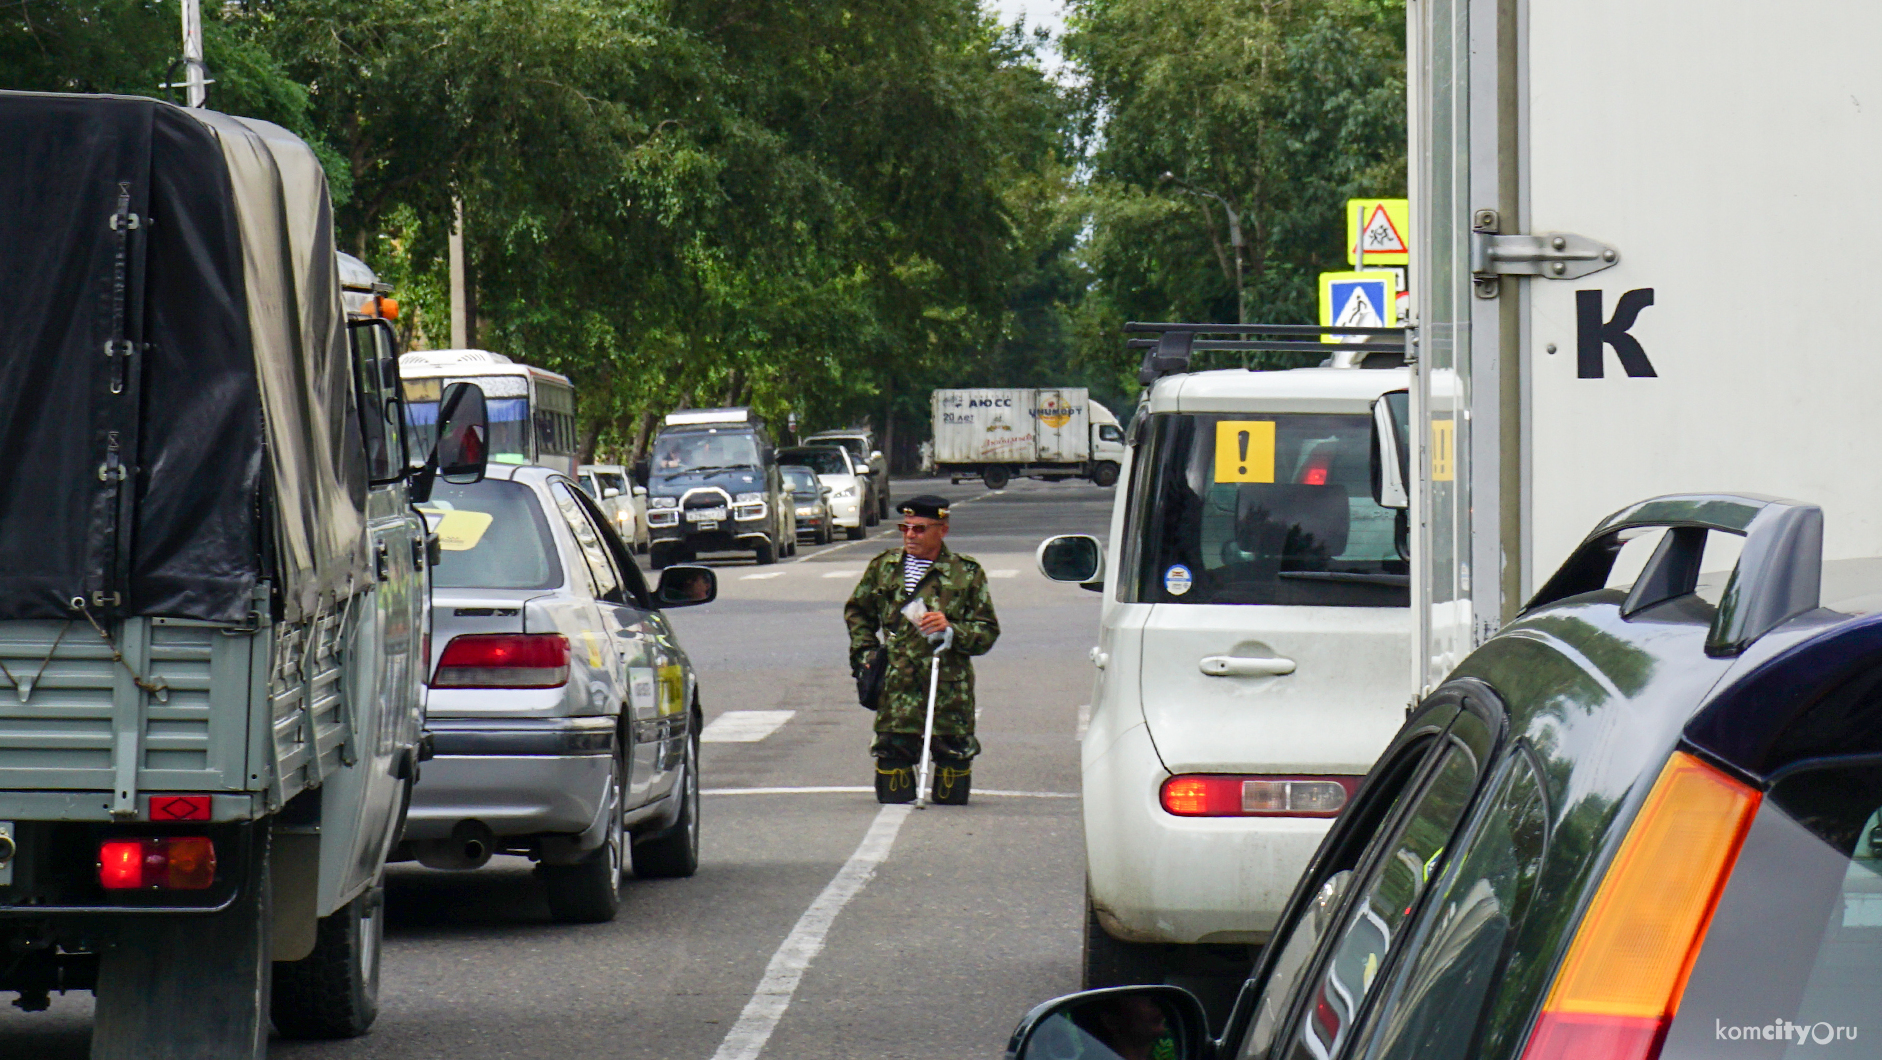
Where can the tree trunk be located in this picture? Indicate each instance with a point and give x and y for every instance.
(642, 435)
(590, 438)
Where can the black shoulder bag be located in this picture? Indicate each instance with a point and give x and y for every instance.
(870, 678)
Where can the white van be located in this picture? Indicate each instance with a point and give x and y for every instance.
(1252, 655)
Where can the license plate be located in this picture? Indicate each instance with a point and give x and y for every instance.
(701, 515)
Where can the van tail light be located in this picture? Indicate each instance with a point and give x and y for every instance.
(157, 863)
(504, 660)
(1221, 795)
(1619, 988)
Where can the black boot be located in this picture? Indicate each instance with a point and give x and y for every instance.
(895, 780)
(951, 783)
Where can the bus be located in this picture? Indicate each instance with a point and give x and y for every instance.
(532, 410)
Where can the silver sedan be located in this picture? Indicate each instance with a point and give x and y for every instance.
(563, 714)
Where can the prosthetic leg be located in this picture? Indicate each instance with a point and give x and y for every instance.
(927, 729)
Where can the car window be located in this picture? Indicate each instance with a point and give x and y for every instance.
(624, 565)
(1376, 923)
(381, 425)
(589, 486)
(1294, 947)
(606, 582)
(1110, 432)
(612, 480)
(1791, 965)
(493, 536)
(1449, 983)
(824, 460)
(1262, 508)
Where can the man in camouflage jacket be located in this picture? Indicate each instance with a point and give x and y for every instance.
(954, 591)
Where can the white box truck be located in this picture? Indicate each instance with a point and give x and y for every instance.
(1052, 433)
(1627, 224)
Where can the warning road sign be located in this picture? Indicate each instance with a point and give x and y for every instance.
(1382, 227)
(1357, 300)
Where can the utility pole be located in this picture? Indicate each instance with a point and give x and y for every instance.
(195, 73)
(1235, 240)
(460, 304)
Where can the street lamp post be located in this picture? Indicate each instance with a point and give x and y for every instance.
(1235, 239)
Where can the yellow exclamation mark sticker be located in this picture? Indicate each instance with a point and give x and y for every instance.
(1443, 450)
(1244, 451)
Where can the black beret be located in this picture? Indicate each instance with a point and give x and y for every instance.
(928, 506)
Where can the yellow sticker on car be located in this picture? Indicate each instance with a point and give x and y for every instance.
(459, 530)
(1244, 451)
(593, 641)
(1443, 450)
(672, 688)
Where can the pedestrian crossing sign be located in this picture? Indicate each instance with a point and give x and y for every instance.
(1382, 227)
(1357, 300)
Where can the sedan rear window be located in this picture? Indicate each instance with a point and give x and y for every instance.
(824, 460)
(494, 537)
(1261, 508)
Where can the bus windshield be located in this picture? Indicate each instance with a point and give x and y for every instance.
(505, 396)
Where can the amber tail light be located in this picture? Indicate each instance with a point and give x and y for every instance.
(1619, 988)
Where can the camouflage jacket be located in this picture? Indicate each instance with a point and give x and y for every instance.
(956, 586)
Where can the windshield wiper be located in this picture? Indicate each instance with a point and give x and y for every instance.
(1346, 576)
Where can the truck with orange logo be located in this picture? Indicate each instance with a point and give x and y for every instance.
(1052, 433)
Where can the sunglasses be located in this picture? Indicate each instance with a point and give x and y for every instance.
(917, 528)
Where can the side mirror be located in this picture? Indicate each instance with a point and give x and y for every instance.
(639, 490)
(826, 491)
(1122, 1021)
(608, 493)
(1072, 558)
(684, 585)
(875, 455)
(463, 441)
(1391, 455)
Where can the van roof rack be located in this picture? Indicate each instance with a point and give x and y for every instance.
(1169, 353)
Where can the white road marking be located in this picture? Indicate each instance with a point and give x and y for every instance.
(846, 572)
(760, 577)
(1084, 719)
(772, 999)
(859, 791)
(1002, 574)
(744, 726)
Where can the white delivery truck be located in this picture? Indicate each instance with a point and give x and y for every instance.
(1051, 433)
(1251, 647)
(1627, 223)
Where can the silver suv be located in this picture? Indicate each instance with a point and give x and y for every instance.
(563, 715)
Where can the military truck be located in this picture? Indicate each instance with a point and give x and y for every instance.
(213, 584)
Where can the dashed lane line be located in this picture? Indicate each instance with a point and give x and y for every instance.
(760, 577)
(744, 726)
(1002, 574)
(772, 999)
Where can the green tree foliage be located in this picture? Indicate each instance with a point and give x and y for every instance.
(825, 208)
(1284, 108)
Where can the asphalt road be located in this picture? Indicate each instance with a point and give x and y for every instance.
(970, 915)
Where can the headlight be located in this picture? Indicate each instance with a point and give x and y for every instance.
(748, 498)
(663, 517)
(748, 512)
(624, 516)
(845, 492)
(663, 502)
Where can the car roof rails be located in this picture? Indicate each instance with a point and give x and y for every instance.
(1169, 352)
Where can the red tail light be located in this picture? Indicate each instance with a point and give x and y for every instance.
(1218, 795)
(504, 660)
(170, 863)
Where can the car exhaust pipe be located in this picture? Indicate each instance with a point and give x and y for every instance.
(470, 847)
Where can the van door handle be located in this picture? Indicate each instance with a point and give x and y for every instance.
(1100, 658)
(1238, 666)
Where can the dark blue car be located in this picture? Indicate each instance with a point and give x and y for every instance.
(1640, 823)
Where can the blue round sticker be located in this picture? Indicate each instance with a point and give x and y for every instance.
(1176, 580)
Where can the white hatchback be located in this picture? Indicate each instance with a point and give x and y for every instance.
(1253, 656)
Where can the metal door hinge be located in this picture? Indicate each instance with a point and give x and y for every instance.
(1550, 255)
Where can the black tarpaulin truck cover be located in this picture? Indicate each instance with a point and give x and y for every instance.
(176, 404)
